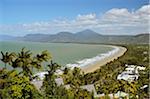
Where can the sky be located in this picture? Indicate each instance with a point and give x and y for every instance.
(108, 17)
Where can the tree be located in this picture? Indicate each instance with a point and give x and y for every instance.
(66, 71)
(15, 86)
(49, 85)
(77, 77)
(39, 58)
(7, 58)
(26, 61)
(78, 93)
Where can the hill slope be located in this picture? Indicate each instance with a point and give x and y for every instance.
(86, 36)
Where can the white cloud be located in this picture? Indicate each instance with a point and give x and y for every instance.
(114, 21)
(118, 12)
(145, 10)
(86, 17)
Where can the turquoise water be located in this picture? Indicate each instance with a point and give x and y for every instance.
(62, 53)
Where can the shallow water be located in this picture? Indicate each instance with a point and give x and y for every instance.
(63, 53)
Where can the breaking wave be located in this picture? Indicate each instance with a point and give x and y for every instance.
(93, 60)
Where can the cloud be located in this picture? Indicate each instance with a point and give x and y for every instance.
(91, 16)
(114, 21)
(123, 21)
(144, 10)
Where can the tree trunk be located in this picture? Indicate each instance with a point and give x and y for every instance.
(5, 65)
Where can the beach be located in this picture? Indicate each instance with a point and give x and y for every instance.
(91, 64)
(107, 58)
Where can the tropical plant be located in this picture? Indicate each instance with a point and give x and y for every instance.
(7, 58)
(26, 61)
(49, 85)
(15, 86)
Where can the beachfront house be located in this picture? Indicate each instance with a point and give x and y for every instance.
(127, 77)
(131, 73)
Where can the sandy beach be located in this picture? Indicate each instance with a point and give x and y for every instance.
(96, 65)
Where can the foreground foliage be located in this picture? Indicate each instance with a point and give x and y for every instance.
(16, 83)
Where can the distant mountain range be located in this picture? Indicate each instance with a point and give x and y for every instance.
(7, 38)
(85, 36)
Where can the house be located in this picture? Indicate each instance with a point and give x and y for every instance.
(67, 86)
(145, 52)
(127, 77)
(99, 95)
(130, 69)
(140, 68)
(38, 84)
(59, 81)
(40, 76)
(58, 72)
(121, 94)
(89, 88)
(131, 73)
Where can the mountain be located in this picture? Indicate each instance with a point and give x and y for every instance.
(87, 33)
(35, 37)
(142, 38)
(85, 36)
(6, 38)
(62, 37)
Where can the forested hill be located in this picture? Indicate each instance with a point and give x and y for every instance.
(86, 36)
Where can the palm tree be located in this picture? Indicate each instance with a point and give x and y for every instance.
(24, 61)
(7, 58)
(44, 56)
(39, 58)
(27, 62)
(49, 84)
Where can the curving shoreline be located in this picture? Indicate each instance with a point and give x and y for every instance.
(110, 57)
(92, 64)
(92, 60)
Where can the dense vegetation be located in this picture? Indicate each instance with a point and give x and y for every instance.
(105, 78)
(16, 84)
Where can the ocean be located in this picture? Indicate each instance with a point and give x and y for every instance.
(69, 54)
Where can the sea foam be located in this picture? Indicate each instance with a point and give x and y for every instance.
(84, 62)
(93, 60)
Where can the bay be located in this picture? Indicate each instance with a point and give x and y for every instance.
(62, 53)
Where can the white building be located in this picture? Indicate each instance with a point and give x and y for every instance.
(127, 77)
(40, 76)
(121, 94)
(90, 88)
(131, 73)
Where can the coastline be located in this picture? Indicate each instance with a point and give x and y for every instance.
(105, 60)
(91, 64)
